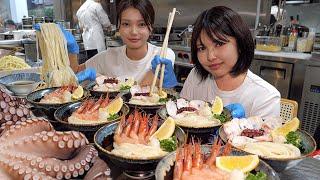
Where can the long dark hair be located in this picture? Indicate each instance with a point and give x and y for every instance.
(143, 6)
(218, 23)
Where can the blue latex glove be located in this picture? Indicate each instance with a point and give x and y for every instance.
(72, 44)
(169, 79)
(87, 74)
(237, 110)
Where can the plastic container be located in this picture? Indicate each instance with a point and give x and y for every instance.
(268, 43)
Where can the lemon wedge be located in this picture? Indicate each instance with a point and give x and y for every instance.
(163, 94)
(129, 82)
(291, 125)
(242, 163)
(77, 93)
(115, 106)
(217, 106)
(166, 130)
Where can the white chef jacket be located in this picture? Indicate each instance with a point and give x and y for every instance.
(92, 18)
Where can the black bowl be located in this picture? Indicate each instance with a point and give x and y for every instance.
(63, 113)
(152, 109)
(48, 109)
(104, 138)
(165, 167)
(206, 134)
(281, 164)
(100, 93)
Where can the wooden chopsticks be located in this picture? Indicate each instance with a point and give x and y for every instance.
(163, 54)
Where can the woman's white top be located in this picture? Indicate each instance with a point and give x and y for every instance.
(114, 62)
(258, 97)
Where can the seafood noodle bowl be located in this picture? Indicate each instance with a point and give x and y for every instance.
(256, 135)
(191, 163)
(133, 138)
(272, 150)
(59, 96)
(91, 112)
(112, 84)
(142, 96)
(192, 114)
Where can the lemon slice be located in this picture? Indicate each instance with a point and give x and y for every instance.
(163, 94)
(129, 82)
(115, 106)
(291, 125)
(242, 163)
(166, 130)
(78, 93)
(217, 106)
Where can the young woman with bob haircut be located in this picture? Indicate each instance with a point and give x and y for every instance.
(222, 49)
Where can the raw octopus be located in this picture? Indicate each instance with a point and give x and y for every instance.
(32, 149)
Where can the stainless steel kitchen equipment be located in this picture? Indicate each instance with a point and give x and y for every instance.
(310, 103)
(276, 73)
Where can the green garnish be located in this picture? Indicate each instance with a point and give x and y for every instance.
(294, 138)
(113, 117)
(259, 176)
(169, 144)
(124, 87)
(222, 117)
(163, 100)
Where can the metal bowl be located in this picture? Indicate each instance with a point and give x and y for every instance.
(165, 167)
(206, 134)
(281, 164)
(132, 167)
(49, 109)
(63, 113)
(21, 84)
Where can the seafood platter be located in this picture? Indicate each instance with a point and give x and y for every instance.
(197, 118)
(142, 98)
(281, 144)
(202, 162)
(138, 142)
(110, 85)
(91, 114)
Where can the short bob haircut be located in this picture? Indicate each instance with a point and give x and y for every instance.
(218, 23)
(143, 6)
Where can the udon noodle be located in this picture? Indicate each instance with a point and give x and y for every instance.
(56, 69)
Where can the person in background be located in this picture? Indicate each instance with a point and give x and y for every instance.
(10, 25)
(93, 19)
(222, 49)
(137, 57)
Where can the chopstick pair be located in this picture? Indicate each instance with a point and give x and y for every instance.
(163, 54)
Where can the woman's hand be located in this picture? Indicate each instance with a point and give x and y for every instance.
(169, 79)
(87, 74)
(237, 110)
